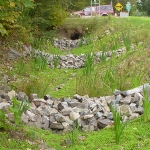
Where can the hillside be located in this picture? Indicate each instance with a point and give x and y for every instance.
(112, 54)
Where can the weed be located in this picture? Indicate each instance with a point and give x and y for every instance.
(39, 63)
(20, 66)
(118, 126)
(34, 85)
(18, 108)
(126, 40)
(55, 61)
(114, 42)
(73, 135)
(89, 60)
(37, 43)
(137, 77)
(146, 105)
(2, 120)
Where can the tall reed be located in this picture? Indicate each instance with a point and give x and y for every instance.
(89, 64)
(126, 40)
(146, 105)
(55, 61)
(39, 63)
(118, 125)
(137, 77)
(73, 134)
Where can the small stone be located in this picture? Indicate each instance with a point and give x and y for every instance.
(22, 96)
(56, 125)
(62, 105)
(103, 123)
(46, 97)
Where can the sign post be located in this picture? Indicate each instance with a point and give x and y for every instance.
(118, 6)
(128, 7)
(95, 3)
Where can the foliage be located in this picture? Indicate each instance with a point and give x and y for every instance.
(118, 126)
(144, 6)
(10, 14)
(48, 15)
(39, 63)
(126, 40)
(73, 134)
(139, 13)
(89, 62)
(18, 108)
(2, 120)
(34, 85)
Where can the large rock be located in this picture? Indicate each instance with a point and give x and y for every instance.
(74, 116)
(125, 110)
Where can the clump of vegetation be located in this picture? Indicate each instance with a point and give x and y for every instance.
(146, 105)
(118, 125)
(18, 108)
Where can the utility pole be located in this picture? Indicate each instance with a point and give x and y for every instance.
(95, 3)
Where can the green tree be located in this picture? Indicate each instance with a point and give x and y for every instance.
(144, 5)
(10, 14)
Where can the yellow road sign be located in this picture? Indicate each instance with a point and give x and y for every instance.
(118, 6)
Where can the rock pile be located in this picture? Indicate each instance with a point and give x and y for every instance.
(65, 44)
(68, 61)
(89, 113)
(74, 61)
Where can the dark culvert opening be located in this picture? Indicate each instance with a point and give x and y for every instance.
(76, 35)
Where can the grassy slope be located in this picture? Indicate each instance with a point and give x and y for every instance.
(53, 78)
(136, 134)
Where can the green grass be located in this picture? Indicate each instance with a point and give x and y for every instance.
(135, 136)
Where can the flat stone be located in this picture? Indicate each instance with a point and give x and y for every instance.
(66, 111)
(125, 110)
(56, 125)
(109, 99)
(83, 105)
(39, 102)
(133, 116)
(74, 103)
(88, 128)
(4, 104)
(88, 116)
(59, 118)
(102, 123)
(126, 100)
